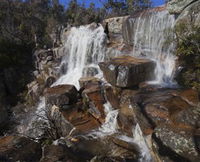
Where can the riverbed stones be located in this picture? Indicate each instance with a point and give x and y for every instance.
(16, 148)
(127, 71)
(61, 96)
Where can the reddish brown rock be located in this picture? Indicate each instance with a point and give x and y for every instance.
(94, 98)
(82, 121)
(112, 96)
(169, 106)
(86, 82)
(15, 148)
(127, 71)
(126, 119)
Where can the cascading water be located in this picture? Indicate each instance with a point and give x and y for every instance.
(110, 126)
(140, 141)
(83, 49)
(152, 31)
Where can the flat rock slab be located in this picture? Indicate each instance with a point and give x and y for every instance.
(127, 71)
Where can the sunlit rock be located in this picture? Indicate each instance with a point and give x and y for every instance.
(190, 16)
(177, 6)
(94, 98)
(127, 71)
(178, 140)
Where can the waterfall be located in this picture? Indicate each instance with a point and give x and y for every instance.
(110, 126)
(150, 37)
(34, 123)
(140, 141)
(83, 49)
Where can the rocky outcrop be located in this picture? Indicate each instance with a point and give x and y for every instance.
(177, 6)
(95, 100)
(45, 74)
(115, 24)
(15, 148)
(127, 71)
(179, 140)
(190, 15)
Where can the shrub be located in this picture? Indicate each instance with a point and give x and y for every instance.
(188, 52)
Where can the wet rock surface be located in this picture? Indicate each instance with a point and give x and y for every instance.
(80, 122)
(61, 96)
(127, 71)
(15, 148)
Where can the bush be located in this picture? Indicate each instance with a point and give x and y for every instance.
(188, 52)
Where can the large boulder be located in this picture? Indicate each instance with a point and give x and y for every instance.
(190, 15)
(179, 140)
(170, 106)
(115, 24)
(61, 96)
(177, 6)
(15, 148)
(127, 71)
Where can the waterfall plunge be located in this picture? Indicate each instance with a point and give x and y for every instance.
(151, 39)
(83, 49)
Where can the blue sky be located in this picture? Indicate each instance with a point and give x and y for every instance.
(98, 4)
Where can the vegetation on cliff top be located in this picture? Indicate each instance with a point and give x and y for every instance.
(188, 52)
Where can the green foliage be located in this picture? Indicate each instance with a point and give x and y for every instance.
(125, 7)
(188, 52)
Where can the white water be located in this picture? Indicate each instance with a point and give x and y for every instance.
(83, 50)
(33, 125)
(151, 31)
(139, 140)
(110, 126)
